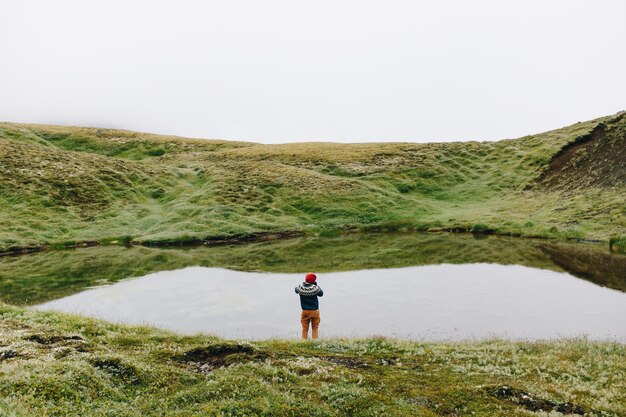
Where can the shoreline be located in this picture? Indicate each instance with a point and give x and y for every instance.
(237, 239)
(330, 339)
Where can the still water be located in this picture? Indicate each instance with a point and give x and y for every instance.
(429, 302)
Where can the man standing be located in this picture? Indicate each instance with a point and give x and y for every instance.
(309, 291)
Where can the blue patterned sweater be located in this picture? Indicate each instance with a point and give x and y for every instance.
(308, 295)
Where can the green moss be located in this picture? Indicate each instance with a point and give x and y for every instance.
(62, 184)
(91, 368)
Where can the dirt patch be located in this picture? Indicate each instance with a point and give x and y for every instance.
(51, 339)
(21, 250)
(209, 358)
(60, 343)
(531, 403)
(117, 368)
(593, 160)
(225, 240)
(8, 354)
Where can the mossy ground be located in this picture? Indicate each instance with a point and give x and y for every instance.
(53, 364)
(60, 185)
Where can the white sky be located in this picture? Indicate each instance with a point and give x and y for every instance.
(279, 71)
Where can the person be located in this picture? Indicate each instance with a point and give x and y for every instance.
(309, 291)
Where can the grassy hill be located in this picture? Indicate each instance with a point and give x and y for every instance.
(66, 185)
(62, 185)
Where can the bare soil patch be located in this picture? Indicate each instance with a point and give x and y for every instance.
(206, 359)
(593, 160)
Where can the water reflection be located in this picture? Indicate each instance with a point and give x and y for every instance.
(430, 302)
(36, 278)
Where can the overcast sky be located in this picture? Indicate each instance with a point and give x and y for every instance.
(280, 71)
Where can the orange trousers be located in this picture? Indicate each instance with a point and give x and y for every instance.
(312, 317)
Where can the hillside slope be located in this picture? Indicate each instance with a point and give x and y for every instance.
(60, 185)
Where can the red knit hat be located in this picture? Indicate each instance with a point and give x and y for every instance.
(311, 278)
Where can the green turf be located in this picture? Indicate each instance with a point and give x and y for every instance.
(60, 185)
(53, 364)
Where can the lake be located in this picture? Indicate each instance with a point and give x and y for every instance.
(411, 286)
